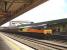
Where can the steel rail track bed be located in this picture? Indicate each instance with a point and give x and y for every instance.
(34, 43)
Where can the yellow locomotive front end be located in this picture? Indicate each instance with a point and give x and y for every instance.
(48, 31)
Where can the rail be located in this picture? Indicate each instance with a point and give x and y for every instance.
(36, 44)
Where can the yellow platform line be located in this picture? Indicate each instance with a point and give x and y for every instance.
(14, 46)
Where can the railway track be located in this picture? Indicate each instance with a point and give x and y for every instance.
(37, 44)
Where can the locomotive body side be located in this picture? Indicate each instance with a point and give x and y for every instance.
(43, 31)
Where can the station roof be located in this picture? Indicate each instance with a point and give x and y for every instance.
(10, 9)
(54, 21)
(48, 22)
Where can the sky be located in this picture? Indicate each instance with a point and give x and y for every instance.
(65, 8)
(50, 10)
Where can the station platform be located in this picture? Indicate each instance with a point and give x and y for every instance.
(7, 43)
(3, 45)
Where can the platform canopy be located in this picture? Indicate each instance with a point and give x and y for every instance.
(10, 9)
